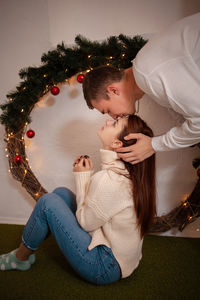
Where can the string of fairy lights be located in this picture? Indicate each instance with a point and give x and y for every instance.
(16, 145)
(60, 68)
(19, 164)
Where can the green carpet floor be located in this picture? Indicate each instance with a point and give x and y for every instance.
(170, 269)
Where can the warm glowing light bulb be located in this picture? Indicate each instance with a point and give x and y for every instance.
(22, 110)
(185, 197)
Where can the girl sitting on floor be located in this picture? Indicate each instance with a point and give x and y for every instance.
(100, 230)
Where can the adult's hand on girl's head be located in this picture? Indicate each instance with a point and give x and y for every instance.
(83, 164)
(137, 152)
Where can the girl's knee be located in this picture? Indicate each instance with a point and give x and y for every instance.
(61, 190)
(65, 193)
(48, 199)
(68, 196)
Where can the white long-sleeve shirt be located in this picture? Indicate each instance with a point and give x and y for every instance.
(167, 69)
(105, 209)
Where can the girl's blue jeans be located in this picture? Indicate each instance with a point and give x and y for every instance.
(55, 213)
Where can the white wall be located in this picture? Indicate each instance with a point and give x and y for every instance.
(99, 19)
(63, 123)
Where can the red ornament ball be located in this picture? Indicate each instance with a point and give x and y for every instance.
(30, 133)
(198, 172)
(80, 78)
(18, 159)
(55, 90)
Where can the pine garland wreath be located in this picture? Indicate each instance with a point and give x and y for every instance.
(58, 66)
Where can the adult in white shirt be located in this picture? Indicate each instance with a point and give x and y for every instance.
(167, 69)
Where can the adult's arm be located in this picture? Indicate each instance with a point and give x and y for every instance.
(178, 137)
(167, 69)
(179, 84)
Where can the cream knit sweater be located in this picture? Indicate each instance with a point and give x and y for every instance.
(105, 209)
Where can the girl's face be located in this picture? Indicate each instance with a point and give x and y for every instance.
(110, 131)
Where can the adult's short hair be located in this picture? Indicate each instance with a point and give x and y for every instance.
(95, 83)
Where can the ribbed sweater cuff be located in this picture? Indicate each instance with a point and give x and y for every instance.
(81, 180)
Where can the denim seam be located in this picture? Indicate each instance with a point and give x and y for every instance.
(72, 241)
(114, 262)
(110, 265)
(102, 275)
(28, 235)
(30, 248)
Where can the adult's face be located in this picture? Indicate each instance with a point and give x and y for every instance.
(121, 101)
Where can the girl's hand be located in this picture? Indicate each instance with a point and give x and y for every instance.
(83, 164)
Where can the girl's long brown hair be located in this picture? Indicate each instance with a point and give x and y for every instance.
(142, 176)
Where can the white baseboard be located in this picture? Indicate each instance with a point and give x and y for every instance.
(15, 221)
